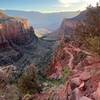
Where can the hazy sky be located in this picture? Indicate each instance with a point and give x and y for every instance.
(46, 5)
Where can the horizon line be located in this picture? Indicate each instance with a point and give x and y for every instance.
(45, 12)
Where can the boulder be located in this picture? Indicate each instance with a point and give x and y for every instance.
(75, 95)
(75, 82)
(85, 76)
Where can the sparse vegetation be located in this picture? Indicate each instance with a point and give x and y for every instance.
(62, 80)
(27, 82)
(57, 82)
(88, 31)
(94, 44)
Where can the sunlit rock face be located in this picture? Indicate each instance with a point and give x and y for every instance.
(16, 38)
(16, 29)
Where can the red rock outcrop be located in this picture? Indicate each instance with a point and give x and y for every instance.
(84, 80)
(84, 74)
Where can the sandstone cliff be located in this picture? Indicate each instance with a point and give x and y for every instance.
(67, 27)
(16, 38)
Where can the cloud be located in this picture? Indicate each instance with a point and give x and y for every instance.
(67, 2)
(76, 4)
(92, 2)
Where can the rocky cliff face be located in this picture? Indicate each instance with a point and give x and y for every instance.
(67, 27)
(16, 38)
(20, 46)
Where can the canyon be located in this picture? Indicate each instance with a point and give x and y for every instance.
(19, 44)
(53, 67)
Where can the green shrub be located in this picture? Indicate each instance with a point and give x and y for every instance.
(94, 44)
(57, 82)
(28, 81)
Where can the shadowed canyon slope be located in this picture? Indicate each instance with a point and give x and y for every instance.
(18, 43)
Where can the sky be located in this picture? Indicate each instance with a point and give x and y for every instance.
(46, 6)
